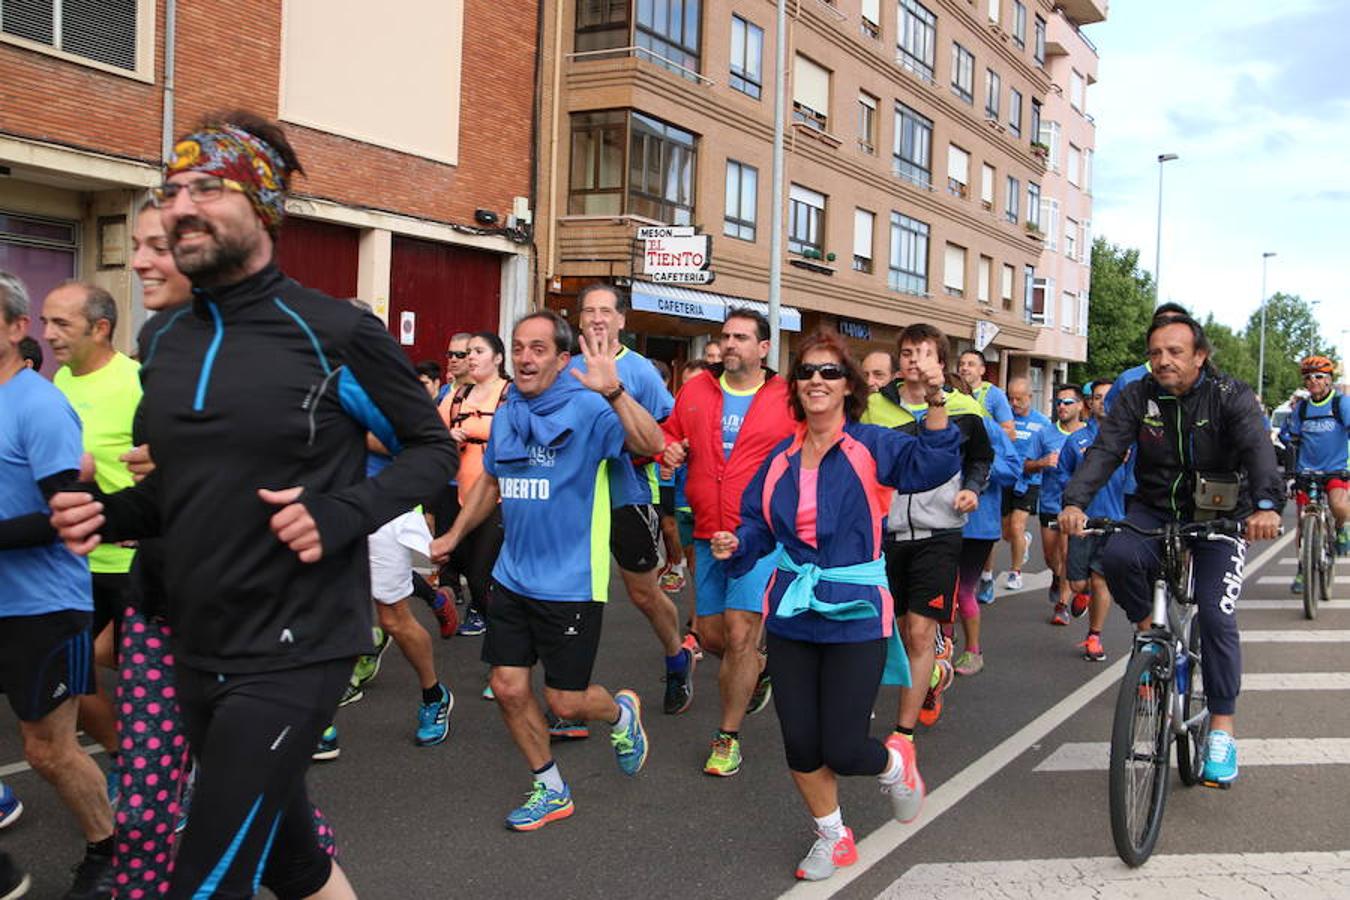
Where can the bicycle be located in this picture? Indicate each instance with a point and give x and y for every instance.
(1317, 539)
(1162, 696)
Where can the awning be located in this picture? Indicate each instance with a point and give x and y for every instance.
(686, 303)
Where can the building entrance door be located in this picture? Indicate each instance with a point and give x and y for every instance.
(42, 253)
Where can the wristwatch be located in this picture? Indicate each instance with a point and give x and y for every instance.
(616, 393)
(937, 398)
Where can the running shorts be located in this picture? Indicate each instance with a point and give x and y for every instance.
(564, 636)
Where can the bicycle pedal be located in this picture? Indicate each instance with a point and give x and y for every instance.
(1221, 785)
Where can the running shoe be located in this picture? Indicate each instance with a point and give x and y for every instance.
(630, 744)
(566, 729)
(1080, 604)
(1297, 586)
(691, 644)
(969, 663)
(985, 592)
(14, 882)
(541, 806)
(351, 694)
(680, 686)
(185, 802)
(1343, 540)
(328, 745)
(827, 854)
(93, 877)
(906, 792)
(1052, 593)
(1014, 582)
(10, 806)
(367, 667)
(487, 693)
(672, 579)
(1060, 616)
(433, 719)
(1092, 649)
(938, 682)
(446, 614)
(762, 695)
(473, 625)
(1221, 765)
(725, 758)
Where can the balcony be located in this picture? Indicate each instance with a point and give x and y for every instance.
(1085, 12)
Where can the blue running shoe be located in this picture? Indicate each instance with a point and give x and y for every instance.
(433, 719)
(473, 625)
(10, 806)
(1221, 766)
(541, 807)
(328, 745)
(985, 592)
(630, 745)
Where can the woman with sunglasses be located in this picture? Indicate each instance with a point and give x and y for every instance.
(821, 496)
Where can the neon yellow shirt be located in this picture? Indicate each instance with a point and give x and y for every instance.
(106, 402)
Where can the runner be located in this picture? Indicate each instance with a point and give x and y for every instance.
(269, 579)
(1068, 419)
(31, 351)
(46, 607)
(971, 367)
(1020, 502)
(546, 463)
(822, 496)
(725, 422)
(445, 503)
(1318, 430)
(673, 573)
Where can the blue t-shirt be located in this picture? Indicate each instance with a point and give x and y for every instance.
(1052, 479)
(1030, 440)
(1109, 502)
(627, 485)
(995, 401)
(39, 437)
(555, 500)
(985, 523)
(1128, 377)
(735, 407)
(1322, 439)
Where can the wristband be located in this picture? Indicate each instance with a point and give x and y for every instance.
(615, 394)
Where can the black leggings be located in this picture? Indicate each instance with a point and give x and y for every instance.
(477, 554)
(823, 694)
(444, 507)
(252, 736)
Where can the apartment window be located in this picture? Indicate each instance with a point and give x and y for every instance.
(1034, 204)
(747, 57)
(669, 31)
(103, 32)
(913, 152)
(987, 176)
(909, 256)
(963, 73)
(656, 181)
(742, 197)
(598, 141)
(1028, 283)
(918, 38)
(867, 123)
(1067, 310)
(1011, 199)
(806, 221)
(954, 271)
(1019, 25)
(1042, 306)
(1073, 163)
(1039, 52)
(958, 171)
(1015, 112)
(1006, 285)
(993, 89)
(863, 224)
(984, 274)
(1087, 170)
(1087, 247)
(1083, 312)
(810, 94)
(1050, 134)
(871, 18)
(1035, 119)
(1050, 222)
(993, 10)
(1076, 86)
(602, 24)
(1070, 238)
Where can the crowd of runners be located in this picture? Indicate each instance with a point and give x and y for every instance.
(236, 523)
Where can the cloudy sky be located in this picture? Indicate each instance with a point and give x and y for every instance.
(1254, 97)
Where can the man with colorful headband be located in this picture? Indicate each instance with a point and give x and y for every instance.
(258, 398)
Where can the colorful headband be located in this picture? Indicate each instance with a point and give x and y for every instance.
(227, 151)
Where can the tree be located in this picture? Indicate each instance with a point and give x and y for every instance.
(1233, 350)
(1120, 307)
(1291, 334)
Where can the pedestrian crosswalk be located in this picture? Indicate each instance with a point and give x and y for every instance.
(1093, 755)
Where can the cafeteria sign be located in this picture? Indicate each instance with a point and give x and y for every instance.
(676, 255)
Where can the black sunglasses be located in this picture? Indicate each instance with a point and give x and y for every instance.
(828, 371)
(1066, 401)
(457, 354)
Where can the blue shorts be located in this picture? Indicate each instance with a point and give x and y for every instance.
(716, 593)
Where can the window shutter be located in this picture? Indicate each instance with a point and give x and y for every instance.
(987, 184)
(871, 11)
(862, 233)
(982, 292)
(811, 85)
(958, 164)
(807, 196)
(954, 268)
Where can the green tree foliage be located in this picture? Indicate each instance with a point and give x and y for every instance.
(1291, 334)
(1120, 306)
(1233, 351)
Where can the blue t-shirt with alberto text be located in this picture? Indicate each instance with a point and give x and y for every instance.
(735, 407)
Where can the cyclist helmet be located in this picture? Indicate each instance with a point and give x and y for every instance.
(1317, 365)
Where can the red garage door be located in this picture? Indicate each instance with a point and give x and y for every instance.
(320, 255)
(446, 288)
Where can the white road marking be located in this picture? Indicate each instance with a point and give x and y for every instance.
(16, 768)
(1296, 681)
(1296, 876)
(1285, 579)
(1093, 757)
(1291, 604)
(1321, 636)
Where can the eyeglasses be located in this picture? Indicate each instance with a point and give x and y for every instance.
(202, 190)
(1317, 376)
(456, 354)
(1066, 401)
(828, 371)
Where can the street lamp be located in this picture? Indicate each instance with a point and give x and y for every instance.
(1312, 348)
(1261, 364)
(1157, 250)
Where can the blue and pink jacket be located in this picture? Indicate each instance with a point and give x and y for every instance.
(850, 603)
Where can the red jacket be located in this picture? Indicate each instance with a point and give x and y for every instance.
(715, 482)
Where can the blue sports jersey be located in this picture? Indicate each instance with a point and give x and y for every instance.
(549, 454)
(993, 399)
(1128, 377)
(1109, 502)
(986, 522)
(735, 407)
(1031, 433)
(627, 485)
(39, 437)
(1052, 479)
(1321, 438)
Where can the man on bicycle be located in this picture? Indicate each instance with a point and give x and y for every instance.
(1202, 452)
(1317, 432)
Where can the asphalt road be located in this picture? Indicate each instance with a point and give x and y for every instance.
(1016, 808)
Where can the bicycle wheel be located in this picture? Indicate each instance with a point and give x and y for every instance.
(1191, 745)
(1141, 745)
(1328, 558)
(1310, 557)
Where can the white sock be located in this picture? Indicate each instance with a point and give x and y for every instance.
(831, 825)
(895, 769)
(551, 776)
(986, 575)
(625, 719)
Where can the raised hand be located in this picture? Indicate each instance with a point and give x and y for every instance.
(601, 374)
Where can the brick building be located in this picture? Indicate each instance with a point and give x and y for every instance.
(412, 126)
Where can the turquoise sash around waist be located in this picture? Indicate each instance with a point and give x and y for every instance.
(800, 596)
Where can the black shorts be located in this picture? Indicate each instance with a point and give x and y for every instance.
(922, 575)
(1028, 502)
(1047, 518)
(667, 505)
(564, 636)
(634, 536)
(112, 590)
(1085, 556)
(45, 660)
